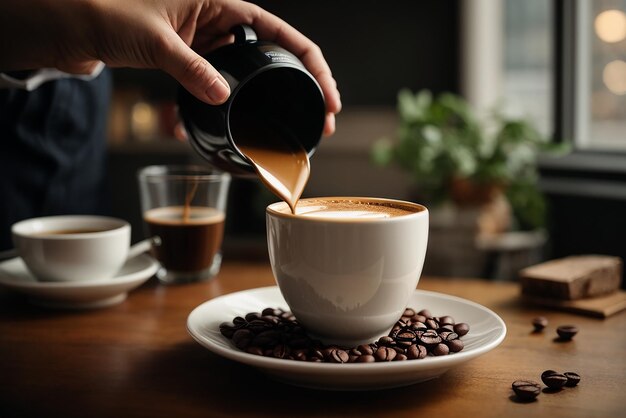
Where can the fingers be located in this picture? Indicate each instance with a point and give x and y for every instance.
(329, 124)
(193, 72)
(272, 28)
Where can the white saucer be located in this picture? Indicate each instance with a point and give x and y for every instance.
(77, 295)
(487, 330)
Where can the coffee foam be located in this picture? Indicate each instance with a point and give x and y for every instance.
(173, 215)
(352, 209)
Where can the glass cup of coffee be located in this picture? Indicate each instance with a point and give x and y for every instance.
(347, 266)
(184, 209)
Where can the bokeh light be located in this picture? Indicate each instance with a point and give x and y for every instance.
(610, 26)
(614, 77)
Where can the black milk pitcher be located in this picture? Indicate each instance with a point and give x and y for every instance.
(271, 91)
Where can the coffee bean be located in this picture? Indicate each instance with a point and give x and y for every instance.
(526, 390)
(449, 336)
(408, 312)
(239, 321)
(258, 351)
(339, 356)
(386, 341)
(416, 352)
(540, 323)
(252, 316)
(426, 313)
(572, 379)
(227, 329)
(270, 319)
(242, 338)
(440, 350)
(367, 358)
(258, 325)
(362, 349)
(446, 320)
(567, 332)
(385, 354)
(461, 329)
(400, 357)
(267, 338)
(406, 337)
(455, 345)
(430, 338)
(317, 354)
(271, 312)
(281, 351)
(548, 373)
(300, 354)
(553, 380)
(415, 326)
(418, 318)
(431, 323)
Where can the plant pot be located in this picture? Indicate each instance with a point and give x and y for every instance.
(465, 192)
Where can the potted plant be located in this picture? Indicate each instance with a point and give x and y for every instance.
(484, 167)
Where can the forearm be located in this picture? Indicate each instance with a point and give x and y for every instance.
(35, 33)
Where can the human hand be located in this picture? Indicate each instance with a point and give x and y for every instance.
(72, 35)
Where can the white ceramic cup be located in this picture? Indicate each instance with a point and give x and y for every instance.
(73, 255)
(347, 280)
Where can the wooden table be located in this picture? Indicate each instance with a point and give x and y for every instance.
(136, 359)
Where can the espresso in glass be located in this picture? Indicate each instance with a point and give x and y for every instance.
(188, 237)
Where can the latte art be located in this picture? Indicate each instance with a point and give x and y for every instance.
(351, 209)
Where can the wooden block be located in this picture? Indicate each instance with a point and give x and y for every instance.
(571, 278)
(599, 307)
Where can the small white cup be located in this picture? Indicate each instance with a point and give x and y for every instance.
(73, 255)
(347, 280)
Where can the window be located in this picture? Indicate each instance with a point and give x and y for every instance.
(602, 74)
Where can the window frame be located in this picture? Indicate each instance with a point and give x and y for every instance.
(585, 172)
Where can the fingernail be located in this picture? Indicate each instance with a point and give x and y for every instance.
(219, 91)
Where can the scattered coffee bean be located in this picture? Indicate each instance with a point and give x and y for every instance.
(548, 373)
(553, 380)
(277, 333)
(540, 323)
(572, 379)
(526, 390)
(567, 332)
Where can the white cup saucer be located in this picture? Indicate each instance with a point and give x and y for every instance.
(486, 333)
(77, 294)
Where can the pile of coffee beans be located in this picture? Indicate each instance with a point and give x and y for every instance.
(277, 333)
(527, 390)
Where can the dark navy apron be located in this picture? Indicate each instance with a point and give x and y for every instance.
(53, 150)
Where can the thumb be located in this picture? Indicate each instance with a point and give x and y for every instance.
(194, 72)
